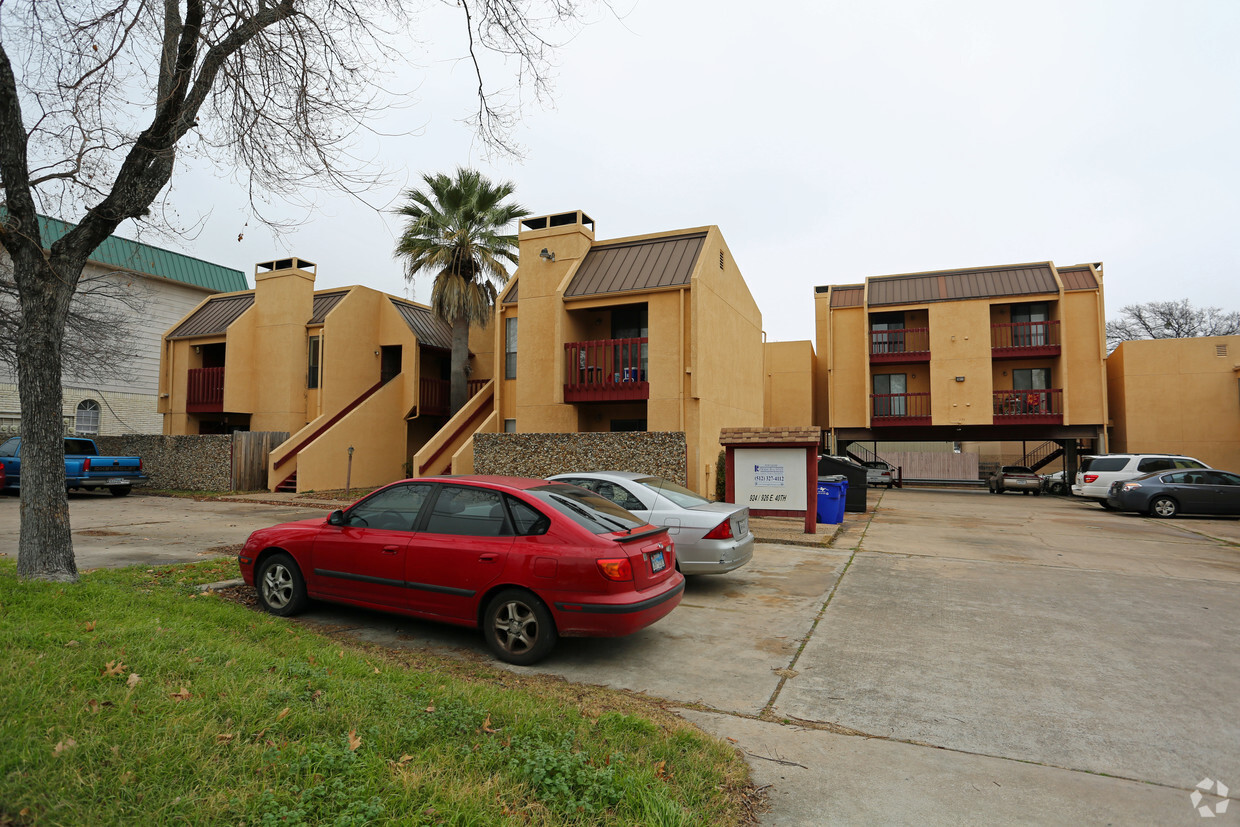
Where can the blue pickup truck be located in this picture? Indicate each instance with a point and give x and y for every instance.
(84, 468)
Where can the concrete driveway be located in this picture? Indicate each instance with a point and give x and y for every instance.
(123, 531)
(956, 657)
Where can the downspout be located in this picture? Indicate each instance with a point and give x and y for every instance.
(680, 351)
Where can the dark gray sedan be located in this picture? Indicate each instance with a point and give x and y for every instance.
(1167, 494)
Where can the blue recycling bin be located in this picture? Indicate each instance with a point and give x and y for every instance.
(831, 493)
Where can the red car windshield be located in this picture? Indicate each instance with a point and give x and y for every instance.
(587, 509)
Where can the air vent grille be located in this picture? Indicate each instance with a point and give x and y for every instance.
(1220, 350)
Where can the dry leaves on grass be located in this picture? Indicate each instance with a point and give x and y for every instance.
(113, 669)
(63, 746)
(283, 714)
(355, 740)
(183, 695)
(134, 680)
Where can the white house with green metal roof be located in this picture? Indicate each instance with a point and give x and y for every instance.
(162, 286)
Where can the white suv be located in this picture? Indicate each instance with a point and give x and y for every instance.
(1094, 477)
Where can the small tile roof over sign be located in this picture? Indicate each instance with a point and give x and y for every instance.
(806, 435)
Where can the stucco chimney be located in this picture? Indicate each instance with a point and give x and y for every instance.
(549, 245)
(283, 304)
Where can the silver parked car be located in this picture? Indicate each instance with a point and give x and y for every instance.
(710, 538)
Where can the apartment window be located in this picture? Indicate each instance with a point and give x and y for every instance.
(510, 348)
(314, 359)
(87, 419)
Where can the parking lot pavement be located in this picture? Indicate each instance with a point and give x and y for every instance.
(957, 658)
(110, 532)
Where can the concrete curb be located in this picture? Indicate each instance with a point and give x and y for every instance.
(222, 584)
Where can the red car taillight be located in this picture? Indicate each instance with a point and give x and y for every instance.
(618, 568)
(1091, 477)
(85, 465)
(723, 531)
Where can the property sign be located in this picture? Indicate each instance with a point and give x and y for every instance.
(770, 479)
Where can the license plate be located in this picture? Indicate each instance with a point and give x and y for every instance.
(742, 527)
(657, 561)
(116, 481)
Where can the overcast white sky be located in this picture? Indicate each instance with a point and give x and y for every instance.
(831, 141)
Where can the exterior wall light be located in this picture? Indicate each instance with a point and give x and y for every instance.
(959, 378)
(549, 256)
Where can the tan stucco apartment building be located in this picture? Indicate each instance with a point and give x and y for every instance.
(1014, 352)
(350, 368)
(651, 333)
(1177, 396)
(654, 332)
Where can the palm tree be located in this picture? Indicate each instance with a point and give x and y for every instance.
(455, 230)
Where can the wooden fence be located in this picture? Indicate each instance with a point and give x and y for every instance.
(250, 450)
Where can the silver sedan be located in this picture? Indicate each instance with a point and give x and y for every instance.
(710, 538)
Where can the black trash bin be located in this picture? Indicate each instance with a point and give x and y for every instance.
(854, 472)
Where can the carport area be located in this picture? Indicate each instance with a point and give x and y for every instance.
(954, 658)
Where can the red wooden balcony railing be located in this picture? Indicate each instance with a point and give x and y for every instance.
(205, 390)
(888, 409)
(1020, 340)
(605, 369)
(1029, 407)
(909, 344)
(434, 395)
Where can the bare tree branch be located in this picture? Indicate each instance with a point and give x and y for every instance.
(1170, 320)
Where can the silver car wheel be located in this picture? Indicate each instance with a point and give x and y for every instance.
(278, 586)
(1164, 507)
(518, 627)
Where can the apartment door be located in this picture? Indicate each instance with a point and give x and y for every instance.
(889, 394)
(1035, 382)
(1029, 324)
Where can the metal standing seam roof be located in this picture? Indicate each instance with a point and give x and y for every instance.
(918, 288)
(511, 298)
(848, 295)
(646, 264)
(431, 330)
(134, 256)
(323, 304)
(1078, 278)
(214, 317)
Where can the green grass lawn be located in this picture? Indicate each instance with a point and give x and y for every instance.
(128, 698)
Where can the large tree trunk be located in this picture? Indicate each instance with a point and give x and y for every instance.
(459, 387)
(45, 547)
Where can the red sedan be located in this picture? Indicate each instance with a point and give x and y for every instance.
(527, 561)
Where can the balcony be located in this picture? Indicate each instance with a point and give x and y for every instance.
(205, 391)
(900, 346)
(1023, 340)
(1029, 407)
(899, 409)
(434, 395)
(606, 370)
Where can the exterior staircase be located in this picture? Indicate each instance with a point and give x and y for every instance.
(1042, 455)
(289, 484)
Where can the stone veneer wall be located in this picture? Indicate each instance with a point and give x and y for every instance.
(662, 454)
(194, 462)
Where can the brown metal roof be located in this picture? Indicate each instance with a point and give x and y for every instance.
(955, 285)
(1078, 278)
(637, 265)
(511, 298)
(848, 295)
(323, 304)
(214, 317)
(431, 330)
